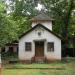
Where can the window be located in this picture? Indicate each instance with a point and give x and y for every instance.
(50, 46)
(27, 46)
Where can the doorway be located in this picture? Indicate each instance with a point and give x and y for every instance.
(39, 48)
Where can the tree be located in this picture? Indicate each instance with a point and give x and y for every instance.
(62, 11)
(7, 27)
(22, 11)
(23, 7)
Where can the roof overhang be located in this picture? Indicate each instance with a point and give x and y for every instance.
(35, 40)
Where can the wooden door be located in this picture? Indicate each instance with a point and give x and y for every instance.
(39, 49)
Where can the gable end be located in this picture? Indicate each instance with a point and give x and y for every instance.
(36, 27)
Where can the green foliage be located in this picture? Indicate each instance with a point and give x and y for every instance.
(63, 13)
(61, 10)
(25, 7)
(7, 27)
(12, 25)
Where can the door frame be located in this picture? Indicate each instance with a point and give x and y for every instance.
(43, 46)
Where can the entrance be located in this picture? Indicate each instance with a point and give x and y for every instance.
(39, 49)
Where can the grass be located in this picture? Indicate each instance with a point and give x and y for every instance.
(37, 72)
(68, 65)
(24, 66)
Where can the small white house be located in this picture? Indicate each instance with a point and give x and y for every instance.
(40, 43)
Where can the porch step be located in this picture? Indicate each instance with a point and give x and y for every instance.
(39, 59)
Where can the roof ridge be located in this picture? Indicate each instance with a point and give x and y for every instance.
(41, 16)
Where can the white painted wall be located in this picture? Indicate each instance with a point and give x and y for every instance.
(23, 55)
(14, 48)
(6, 48)
(47, 24)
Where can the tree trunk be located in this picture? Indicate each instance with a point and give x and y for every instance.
(0, 49)
(66, 22)
(66, 19)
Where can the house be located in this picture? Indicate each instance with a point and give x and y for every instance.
(40, 43)
(11, 47)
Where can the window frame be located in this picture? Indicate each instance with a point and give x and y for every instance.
(28, 46)
(49, 48)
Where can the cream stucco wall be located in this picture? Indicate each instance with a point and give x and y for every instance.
(23, 55)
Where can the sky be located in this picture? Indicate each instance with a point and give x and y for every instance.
(39, 7)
